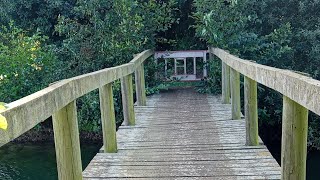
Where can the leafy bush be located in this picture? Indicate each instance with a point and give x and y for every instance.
(84, 37)
(24, 63)
(105, 34)
(282, 34)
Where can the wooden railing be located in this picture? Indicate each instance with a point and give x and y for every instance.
(300, 94)
(59, 101)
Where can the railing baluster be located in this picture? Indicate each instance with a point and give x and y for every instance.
(127, 100)
(140, 86)
(294, 140)
(225, 83)
(235, 93)
(108, 119)
(251, 111)
(67, 143)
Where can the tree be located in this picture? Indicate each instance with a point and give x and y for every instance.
(24, 63)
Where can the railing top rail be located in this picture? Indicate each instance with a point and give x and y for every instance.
(25, 113)
(180, 54)
(302, 89)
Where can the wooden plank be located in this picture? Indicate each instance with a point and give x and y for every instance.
(108, 118)
(194, 156)
(237, 164)
(140, 86)
(251, 111)
(25, 113)
(127, 100)
(294, 140)
(227, 177)
(179, 54)
(102, 172)
(187, 139)
(67, 143)
(235, 93)
(225, 84)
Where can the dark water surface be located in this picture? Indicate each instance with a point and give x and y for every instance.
(35, 162)
(313, 164)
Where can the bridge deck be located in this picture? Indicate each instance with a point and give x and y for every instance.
(184, 135)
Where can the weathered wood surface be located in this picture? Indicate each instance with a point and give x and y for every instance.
(294, 140)
(251, 111)
(225, 83)
(67, 143)
(140, 86)
(235, 94)
(127, 100)
(108, 118)
(301, 89)
(184, 135)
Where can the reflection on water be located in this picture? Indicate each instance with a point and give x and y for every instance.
(23, 162)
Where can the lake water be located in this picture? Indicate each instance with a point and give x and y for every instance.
(35, 162)
(38, 162)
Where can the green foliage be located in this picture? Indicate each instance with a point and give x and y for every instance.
(35, 15)
(105, 34)
(24, 63)
(213, 83)
(84, 37)
(280, 33)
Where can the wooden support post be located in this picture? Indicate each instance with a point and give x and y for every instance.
(235, 93)
(67, 143)
(251, 111)
(166, 68)
(195, 66)
(185, 66)
(210, 54)
(175, 67)
(108, 119)
(127, 100)
(205, 69)
(140, 86)
(294, 140)
(225, 83)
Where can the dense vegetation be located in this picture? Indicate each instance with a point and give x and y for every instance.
(277, 33)
(44, 41)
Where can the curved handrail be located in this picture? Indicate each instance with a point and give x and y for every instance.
(302, 89)
(25, 113)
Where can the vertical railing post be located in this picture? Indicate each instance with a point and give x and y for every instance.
(108, 119)
(251, 111)
(294, 140)
(165, 69)
(235, 93)
(205, 66)
(225, 83)
(127, 100)
(67, 143)
(195, 67)
(140, 86)
(175, 67)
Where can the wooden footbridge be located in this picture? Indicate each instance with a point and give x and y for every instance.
(179, 134)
